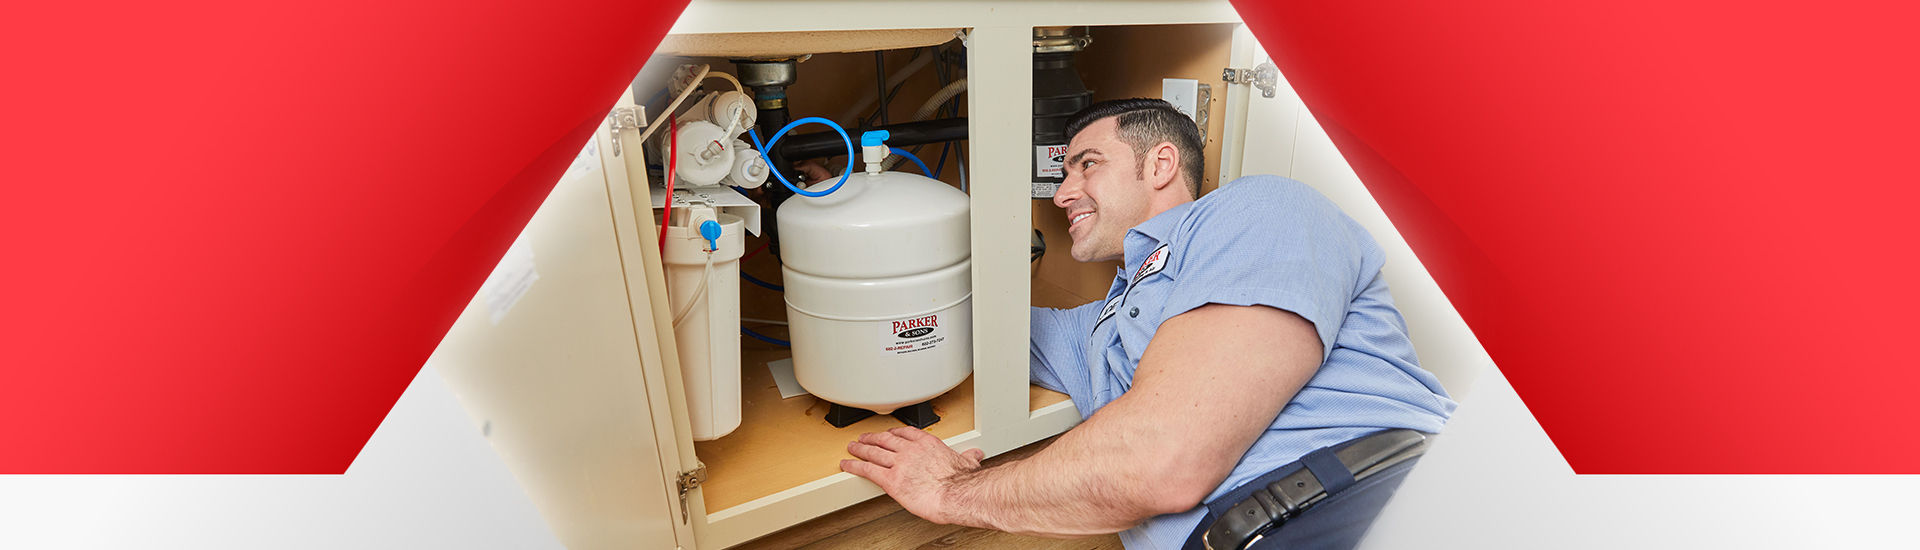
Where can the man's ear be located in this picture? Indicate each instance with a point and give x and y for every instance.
(1163, 165)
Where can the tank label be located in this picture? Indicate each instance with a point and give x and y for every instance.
(912, 334)
(1047, 160)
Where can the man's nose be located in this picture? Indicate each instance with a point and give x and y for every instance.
(1068, 192)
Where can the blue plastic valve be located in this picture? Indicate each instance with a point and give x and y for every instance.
(874, 138)
(710, 230)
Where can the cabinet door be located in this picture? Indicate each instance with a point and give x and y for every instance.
(1279, 136)
(546, 358)
(1258, 136)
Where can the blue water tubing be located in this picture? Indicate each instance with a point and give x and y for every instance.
(764, 338)
(878, 138)
(916, 160)
(762, 284)
(768, 146)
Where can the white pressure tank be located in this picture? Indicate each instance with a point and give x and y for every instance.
(877, 289)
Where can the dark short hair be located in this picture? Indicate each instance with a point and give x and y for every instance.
(1144, 123)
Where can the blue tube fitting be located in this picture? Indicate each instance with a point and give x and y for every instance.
(710, 230)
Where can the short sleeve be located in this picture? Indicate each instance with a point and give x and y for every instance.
(1058, 360)
(1272, 242)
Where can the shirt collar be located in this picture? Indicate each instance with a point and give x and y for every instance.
(1150, 234)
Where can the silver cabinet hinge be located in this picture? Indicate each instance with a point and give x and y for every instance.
(687, 483)
(1266, 77)
(622, 118)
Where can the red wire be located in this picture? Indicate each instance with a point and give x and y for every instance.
(763, 247)
(673, 162)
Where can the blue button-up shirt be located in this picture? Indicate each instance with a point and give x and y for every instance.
(1260, 240)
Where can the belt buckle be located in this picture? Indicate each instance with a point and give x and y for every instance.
(1264, 510)
(1277, 501)
(1208, 544)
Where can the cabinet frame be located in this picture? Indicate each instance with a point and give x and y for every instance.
(999, 59)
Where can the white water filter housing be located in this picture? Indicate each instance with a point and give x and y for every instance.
(707, 334)
(749, 168)
(707, 148)
(701, 157)
(879, 302)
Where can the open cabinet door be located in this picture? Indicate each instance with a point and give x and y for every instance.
(1278, 135)
(546, 359)
(637, 239)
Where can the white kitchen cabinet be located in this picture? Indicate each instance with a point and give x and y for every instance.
(565, 360)
(1278, 135)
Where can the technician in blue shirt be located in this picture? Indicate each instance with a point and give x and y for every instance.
(1243, 331)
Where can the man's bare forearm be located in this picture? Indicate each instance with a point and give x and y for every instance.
(1207, 387)
(1144, 454)
(1081, 485)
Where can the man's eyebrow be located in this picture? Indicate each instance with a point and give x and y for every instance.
(1082, 154)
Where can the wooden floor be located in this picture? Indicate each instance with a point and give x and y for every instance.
(882, 524)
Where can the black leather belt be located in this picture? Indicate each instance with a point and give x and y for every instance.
(1292, 489)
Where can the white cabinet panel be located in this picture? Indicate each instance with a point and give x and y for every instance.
(1282, 138)
(549, 367)
(1259, 130)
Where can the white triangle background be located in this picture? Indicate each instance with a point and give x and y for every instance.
(426, 479)
(1494, 480)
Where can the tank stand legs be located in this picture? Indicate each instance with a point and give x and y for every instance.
(841, 416)
(918, 416)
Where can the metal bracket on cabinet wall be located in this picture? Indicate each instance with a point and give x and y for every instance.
(687, 483)
(620, 119)
(1266, 77)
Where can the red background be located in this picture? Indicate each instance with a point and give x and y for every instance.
(233, 231)
(1682, 229)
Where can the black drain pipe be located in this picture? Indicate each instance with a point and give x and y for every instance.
(769, 80)
(826, 144)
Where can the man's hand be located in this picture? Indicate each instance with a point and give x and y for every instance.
(911, 465)
(812, 171)
(1209, 384)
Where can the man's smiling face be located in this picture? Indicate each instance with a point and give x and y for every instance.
(1103, 193)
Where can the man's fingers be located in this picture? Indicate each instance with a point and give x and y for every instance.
(975, 454)
(885, 440)
(862, 469)
(909, 434)
(870, 453)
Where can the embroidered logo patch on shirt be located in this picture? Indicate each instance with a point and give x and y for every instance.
(1112, 305)
(1153, 264)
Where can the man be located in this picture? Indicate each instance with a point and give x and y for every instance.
(1226, 309)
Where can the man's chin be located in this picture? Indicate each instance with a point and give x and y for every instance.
(1088, 256)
